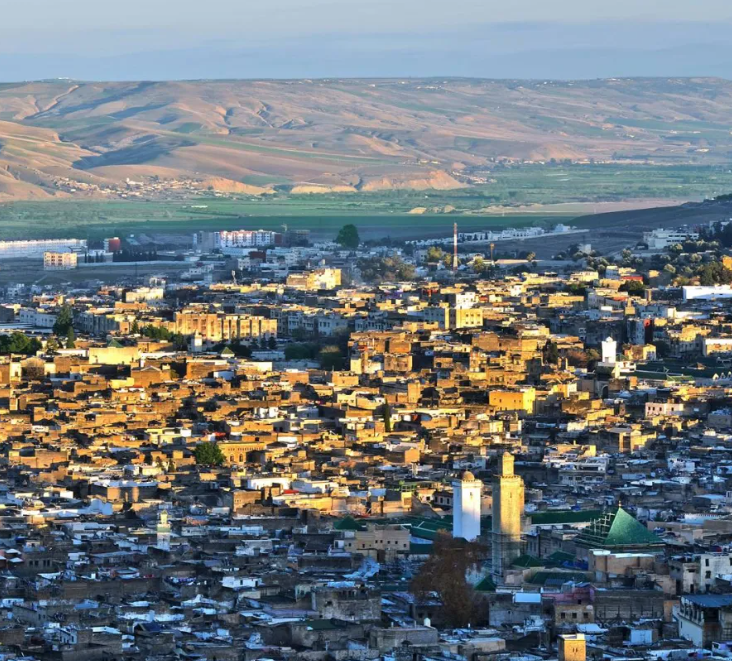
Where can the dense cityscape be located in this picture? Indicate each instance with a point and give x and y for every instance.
(315, 451)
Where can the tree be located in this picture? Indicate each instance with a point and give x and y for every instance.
(577, 289)
(135, 328)
(70, 339)
(633, 287)
(19, 343)
(331, 358)
(348, 237)
(300, 335)
(209, 454)
(593, 357)
(434, 255)
(444, 572)
(530, 257)
(301, 351)
(386, 414)
(64, 321)
(385, 269)
(551, 353)
(272, 343)
(52, 345)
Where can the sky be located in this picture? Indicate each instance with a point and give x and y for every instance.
(187, 39)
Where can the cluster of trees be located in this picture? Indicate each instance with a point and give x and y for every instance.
(178, 340)
(714, 273)
(719, 232)
(385, 269)
(264, 343)
(302, 351)
(587, 359)
(436, 255)
(331, 356)
(576, 289)
(634, 288)
(19, 343)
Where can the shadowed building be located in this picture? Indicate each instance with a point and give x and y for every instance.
(508, 510)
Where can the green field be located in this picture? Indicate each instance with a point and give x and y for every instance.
(103, 219)
(377, 214)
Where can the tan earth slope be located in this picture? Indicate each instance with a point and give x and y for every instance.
(312, 136)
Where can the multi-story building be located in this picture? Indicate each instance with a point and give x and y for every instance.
(59, 261)
(19, 249)
(314, 280)
(246, 239)
(220, 326)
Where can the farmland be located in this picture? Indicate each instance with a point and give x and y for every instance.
(513, 196)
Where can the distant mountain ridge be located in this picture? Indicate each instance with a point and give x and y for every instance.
(68, 138)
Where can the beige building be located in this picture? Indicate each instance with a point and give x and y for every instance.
(379, 542)
(59, 261)
(513, 400)
(217, 327)
(450, 317)
(314, 280)
(572, 647)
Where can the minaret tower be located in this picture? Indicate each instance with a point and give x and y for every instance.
(163, 531)
(508, 511)
(466, 497)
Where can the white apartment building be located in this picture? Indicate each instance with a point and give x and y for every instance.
(19, 249)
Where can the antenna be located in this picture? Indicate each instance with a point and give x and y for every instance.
(454, 247)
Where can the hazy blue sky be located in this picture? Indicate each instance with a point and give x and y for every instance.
(293, 38)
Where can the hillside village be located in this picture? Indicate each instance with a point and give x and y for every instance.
(341, 452)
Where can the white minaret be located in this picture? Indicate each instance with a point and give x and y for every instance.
(466, 495)
(609, 351)
(163, 531)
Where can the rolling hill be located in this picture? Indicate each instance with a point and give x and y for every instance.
(65, 138)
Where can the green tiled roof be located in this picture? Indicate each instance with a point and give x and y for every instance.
(419, 526)
(525, 561)
(486, 585)
(560, 558)
(617, 530)
(425, 528)
(557, 577)
(348, 523)
(420, 549)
